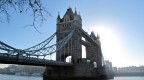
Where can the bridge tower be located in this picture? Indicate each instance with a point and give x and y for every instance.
(80, 68)
(93, 52)
(64, 25)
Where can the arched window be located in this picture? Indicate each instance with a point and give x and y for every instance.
(68, 59)
(95, 64)
(61, 38)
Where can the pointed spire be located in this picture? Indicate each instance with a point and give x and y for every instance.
(92, 35)
(69, 7)
(79, 13)
(69, 10)
(75, 11)
(98, 36)
(58, 17)
(92, 32)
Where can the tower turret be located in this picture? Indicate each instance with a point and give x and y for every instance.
(98, 39)
(98, 36)
(58, 18)
(92, 35)
(75, 12)
(69, 21)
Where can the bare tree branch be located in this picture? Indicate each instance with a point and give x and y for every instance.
(21, 6)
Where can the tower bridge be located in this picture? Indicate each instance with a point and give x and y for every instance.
(69, 42)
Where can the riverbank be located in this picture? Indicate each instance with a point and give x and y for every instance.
(130, 74)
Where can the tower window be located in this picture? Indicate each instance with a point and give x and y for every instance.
(67, 19)
(64, 20)
(95, 64)
(61, 38)
(64, 25)
(65, 35)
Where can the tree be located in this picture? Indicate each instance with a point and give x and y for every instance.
(34, 6)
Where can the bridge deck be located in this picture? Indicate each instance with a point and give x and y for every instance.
(31, 61)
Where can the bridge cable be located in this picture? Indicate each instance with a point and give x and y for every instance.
(41, 44)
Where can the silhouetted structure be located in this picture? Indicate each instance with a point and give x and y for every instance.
(91, 67)
(68, 46)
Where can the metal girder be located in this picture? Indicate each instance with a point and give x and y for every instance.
(41, 49)
(41, 45)
(6, 47)
(88, 38)
(44, 51)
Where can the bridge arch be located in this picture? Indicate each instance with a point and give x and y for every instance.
(69, 59)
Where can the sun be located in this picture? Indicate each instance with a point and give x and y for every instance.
(110, 44)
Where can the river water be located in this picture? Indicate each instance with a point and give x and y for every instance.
(15, 77)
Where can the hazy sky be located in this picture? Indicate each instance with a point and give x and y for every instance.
(120, 24)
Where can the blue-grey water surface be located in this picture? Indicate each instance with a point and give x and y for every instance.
(15, 77)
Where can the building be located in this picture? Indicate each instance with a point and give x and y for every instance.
(83, 68)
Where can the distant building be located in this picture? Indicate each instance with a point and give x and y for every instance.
(12, 68)
(109, 64)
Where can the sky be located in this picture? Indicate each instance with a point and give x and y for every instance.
(120, 24)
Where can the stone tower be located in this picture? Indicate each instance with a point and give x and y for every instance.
(80, 68)
(94, 52)
(64, 25)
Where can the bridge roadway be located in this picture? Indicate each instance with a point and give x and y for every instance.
(14, 59)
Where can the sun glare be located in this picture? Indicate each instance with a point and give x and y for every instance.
(110, 44)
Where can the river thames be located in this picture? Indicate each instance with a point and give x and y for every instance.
(15, 77)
